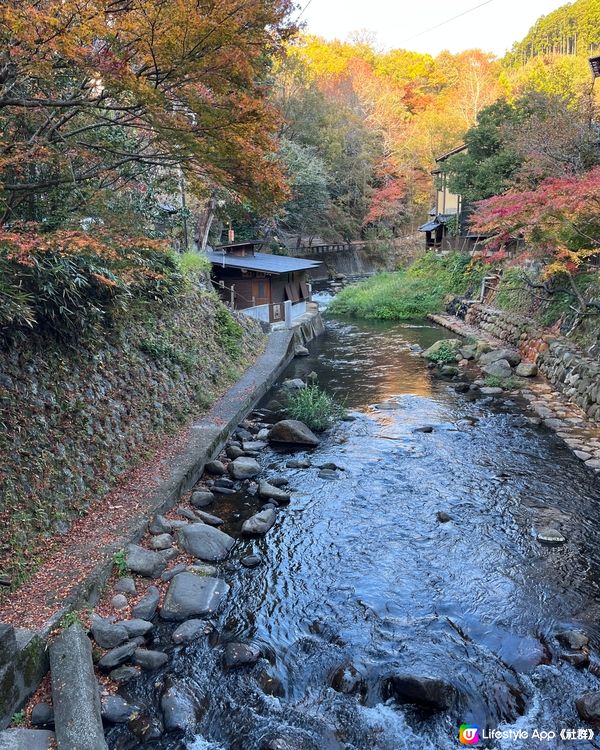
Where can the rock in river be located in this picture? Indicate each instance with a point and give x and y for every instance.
(147, 659)
(500, 369)
(259, 523)
(118, 656)
(189, 631)
(510, 355)
(205, 542)
(270, 492)
(293, 432)
(428, 692)
(588, 706)
(107, 634)
(573, 639)
(190, 595)
(527, 370)
(180, 708)
(202, 498)
(240, 655)
(244, 468)
(116, 710)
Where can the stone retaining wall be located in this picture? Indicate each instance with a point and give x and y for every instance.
(573, 373)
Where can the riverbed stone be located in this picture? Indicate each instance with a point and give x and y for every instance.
(145, 609)
(329, 474)
(27, 739)
(293, 384)
(499, 369)
(117, 656)
(205, 542)
(119, 601)
(216, 468)
(202, 498)
(428, 692)
(122, 675)
(159, 525)
(116, 710)
(243, 467)
(588, 706)
(492, 391)
(443, 517)
(302, 463)
(251, 561)
(42, 716)
(107, 634)
(497, 355)
(125, 585)
(190, 596)
(144, 562)
(179, 707)
(136, 627)
(526, 370)
(347, 680)
(234, 451)
(292, 432)
(573, 639)
(550, 536)
(209, 518)
(189, 630)
(240, 655)
(148, 659)
(260, 522)
(268, 491)
(161, 541)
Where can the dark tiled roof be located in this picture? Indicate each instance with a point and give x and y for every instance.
(429, 227)
(262, 262)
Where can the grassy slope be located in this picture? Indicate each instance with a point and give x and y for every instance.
(411, 293)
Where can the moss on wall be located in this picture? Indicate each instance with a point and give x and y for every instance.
(75, 416)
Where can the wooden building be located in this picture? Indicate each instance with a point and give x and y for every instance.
(261, 284)
(448, 226)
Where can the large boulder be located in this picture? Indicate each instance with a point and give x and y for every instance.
(512, 357)
(107, 634)
(144, 562)
(500, 369)
(259, 523)
(205, 542)
(191, 595)
(244, 467)
(427, 692)
(240, 655)
(442, 345)
(293, 432)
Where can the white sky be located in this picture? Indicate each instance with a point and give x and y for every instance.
(492, 28)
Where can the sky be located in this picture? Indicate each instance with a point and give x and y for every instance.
(399, 23)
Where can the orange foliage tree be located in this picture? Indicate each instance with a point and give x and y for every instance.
(95, 93)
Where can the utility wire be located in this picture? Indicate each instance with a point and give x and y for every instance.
(443, 23)
(303, 11)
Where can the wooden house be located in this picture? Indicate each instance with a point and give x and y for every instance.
(448, 227)
(268, 287)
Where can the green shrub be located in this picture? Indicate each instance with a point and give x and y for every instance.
(313, 406)
(444, 355)
(120, 562)
(495, 381)
(412, 293)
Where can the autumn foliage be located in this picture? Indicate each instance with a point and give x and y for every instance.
(559, 222)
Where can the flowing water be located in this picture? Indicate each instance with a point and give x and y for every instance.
(359, 573)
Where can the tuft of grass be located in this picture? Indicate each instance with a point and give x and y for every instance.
(445, 354)
(229, 333)
(71, 618)
(412, 293)
(313, 406)
(495, 381)
(120, 562)
(18, 718)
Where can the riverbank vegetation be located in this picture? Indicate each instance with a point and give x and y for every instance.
(313, 406)
(411, 293)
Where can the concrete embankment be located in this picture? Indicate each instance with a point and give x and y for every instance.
(23, 650)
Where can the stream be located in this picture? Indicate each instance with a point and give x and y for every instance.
(360, 580)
